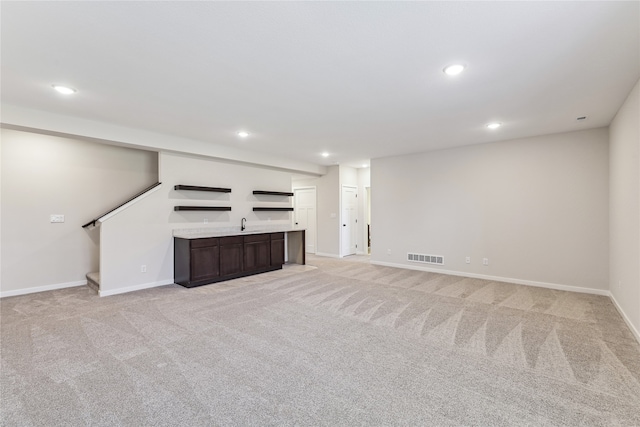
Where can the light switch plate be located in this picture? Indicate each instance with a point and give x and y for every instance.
(56, 218)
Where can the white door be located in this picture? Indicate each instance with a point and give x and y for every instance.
(304, 204)
(349, 220)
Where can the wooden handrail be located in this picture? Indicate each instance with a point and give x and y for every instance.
(96, 219)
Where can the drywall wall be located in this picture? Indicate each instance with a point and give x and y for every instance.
(624, 213)
(364, 182)
(142, 234)
(75, 127)
(44, 175)
(536, 208)
(348, 176)
(328, 210)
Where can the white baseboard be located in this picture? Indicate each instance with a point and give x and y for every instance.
(625, 317)
(135, 288)
(35, 289)
(498, 278)
(327, 255)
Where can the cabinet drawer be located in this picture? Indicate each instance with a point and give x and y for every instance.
(231, 240)
(277, 236)
(256, 238)
(203, 243)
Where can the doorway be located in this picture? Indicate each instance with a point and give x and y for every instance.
(349, 219)
(304, 205)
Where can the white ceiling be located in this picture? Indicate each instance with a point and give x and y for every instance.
(358, 79)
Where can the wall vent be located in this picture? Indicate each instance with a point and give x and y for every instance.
(426, 259)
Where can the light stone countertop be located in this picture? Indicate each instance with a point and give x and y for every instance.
(203, 233)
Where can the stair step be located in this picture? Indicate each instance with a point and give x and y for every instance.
(93, 281)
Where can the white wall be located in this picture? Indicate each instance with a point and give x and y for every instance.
(328, 210)
(75, 127)
(624, 213)
(43, 175)
(142, 234)
(364, 181)
(537, 208)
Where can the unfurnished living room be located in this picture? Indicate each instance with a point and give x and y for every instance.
(320, 213)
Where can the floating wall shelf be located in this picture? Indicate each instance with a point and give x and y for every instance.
(272, 193)
(202, 208)
(198, 188)
(272, 209)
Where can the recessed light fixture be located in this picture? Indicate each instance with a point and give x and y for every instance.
(325, 154)
(243, 134)
(65, 90)
(365, 165)
(453, 69)
(495, 125)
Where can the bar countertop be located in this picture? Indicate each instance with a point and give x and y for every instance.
(203, 233)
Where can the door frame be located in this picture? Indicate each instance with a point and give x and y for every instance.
(315, 219)
(355, 226)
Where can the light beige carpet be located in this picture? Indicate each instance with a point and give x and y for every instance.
(343, 344)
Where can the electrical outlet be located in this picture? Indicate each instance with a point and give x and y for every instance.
(485, 261)
(143, 268)
(56, 218)
(468, 260)
(206, 221)
(388, 251)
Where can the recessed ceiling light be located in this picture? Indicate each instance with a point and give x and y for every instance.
(454, 69)
(325, 154)
(64, 89)
(365, 165)
(495, 125)
(243, 134)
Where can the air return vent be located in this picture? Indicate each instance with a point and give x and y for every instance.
(426, 259)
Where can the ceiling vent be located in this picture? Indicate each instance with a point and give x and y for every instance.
(426, 259)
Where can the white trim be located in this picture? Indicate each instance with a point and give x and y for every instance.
(625, 317)
(315, 210)
(44, 288)
(327, 255)
(135, 288)
(342, 221)
(129, 203)
(499, 279)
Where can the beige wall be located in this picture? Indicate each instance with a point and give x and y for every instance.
(328, 210)
(364, 181)
(142, 234)
(624, 189)
(537, 208)
(329, 194)
(44, 175)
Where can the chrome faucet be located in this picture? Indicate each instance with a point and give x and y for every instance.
(242, 224)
